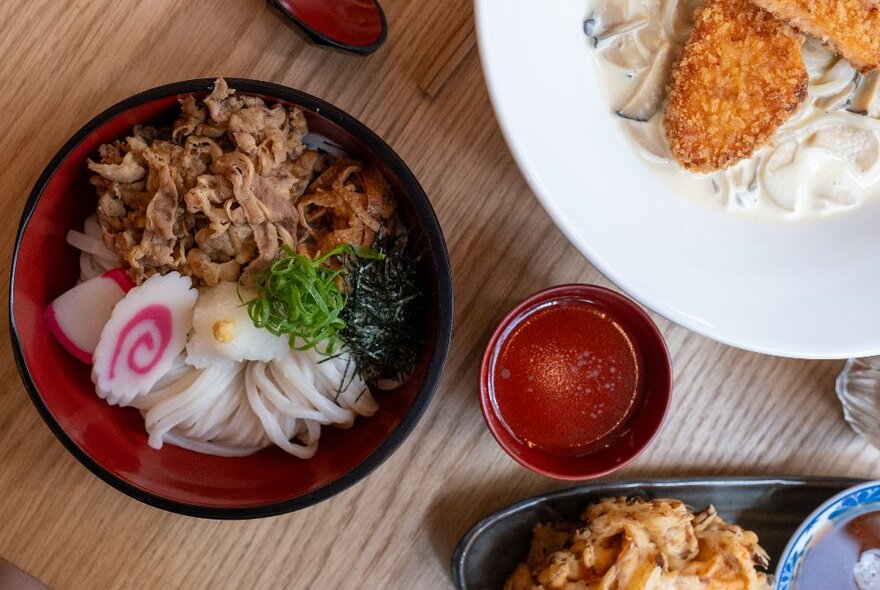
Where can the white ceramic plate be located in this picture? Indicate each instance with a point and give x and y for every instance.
(806, 289)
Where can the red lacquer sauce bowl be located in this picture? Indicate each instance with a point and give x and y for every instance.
(575, 381)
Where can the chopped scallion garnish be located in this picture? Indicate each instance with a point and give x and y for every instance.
(301, 298)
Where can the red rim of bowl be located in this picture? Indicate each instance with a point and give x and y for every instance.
(642, 426)
(357, 26)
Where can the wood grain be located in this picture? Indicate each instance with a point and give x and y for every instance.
(733, 412)
(452, 38)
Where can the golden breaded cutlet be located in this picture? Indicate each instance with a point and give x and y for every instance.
(739, 78)
(850, 28)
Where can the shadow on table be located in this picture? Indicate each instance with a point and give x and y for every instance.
(14, 578)
(455, 511)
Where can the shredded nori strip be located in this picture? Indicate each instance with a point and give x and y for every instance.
(385, 311)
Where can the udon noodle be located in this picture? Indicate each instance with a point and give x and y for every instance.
(236, 409)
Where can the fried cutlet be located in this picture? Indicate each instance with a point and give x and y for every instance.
(740, 77)
(850, 28)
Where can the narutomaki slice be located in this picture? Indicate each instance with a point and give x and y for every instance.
(146, 331)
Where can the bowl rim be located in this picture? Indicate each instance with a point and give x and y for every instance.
(321, 38)
(435, 244)
(579, 290)
(824, 514)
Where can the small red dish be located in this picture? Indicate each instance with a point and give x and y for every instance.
(358, 26)
(575, 382)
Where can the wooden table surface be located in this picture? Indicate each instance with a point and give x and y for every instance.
(64, 61)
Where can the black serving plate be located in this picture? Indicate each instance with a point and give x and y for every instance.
(772, 507)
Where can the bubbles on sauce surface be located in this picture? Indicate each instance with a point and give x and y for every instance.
(566, 378)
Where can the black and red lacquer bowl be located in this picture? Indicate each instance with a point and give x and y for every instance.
(111, 441)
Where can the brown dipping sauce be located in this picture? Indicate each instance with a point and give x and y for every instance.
(829, 560)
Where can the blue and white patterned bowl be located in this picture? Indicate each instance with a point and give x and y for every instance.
(848, 503)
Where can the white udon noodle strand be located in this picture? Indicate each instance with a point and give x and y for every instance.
(95, 258)
(234, 409)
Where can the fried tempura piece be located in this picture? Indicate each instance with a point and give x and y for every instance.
(645, 545)
(740, 77)
(850, 28)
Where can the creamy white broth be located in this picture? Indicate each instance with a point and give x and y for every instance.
(825, 159)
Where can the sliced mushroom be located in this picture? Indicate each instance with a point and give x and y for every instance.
(669, 16)
(603, 35)
(649, 40)
(651, 89)
(678, 18)
(848, 142)
(650, 139)
(866, 100)
(625, 54)
(775, 179)
(612, 12)
(590, 26)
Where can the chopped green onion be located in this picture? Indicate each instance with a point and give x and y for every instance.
(301, 298)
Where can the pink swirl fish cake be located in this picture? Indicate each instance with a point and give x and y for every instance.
(147, 330)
